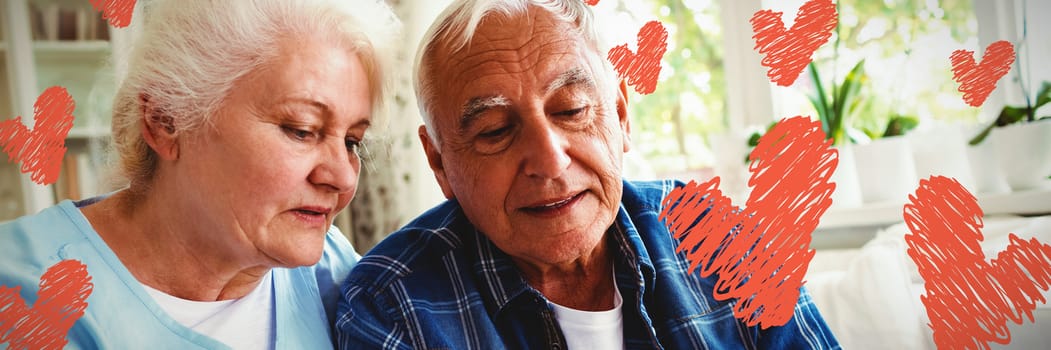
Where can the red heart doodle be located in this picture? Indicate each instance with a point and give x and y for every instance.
(642, 69)
(977, 80)
(63, 295)
(760, 252)
(789, 52)
(968, 298)
(591, 2)
(117, 12)
(40, 151)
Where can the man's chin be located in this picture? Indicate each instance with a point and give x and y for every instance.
(560, 249)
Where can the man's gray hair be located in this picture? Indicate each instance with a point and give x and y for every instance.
(455, 27)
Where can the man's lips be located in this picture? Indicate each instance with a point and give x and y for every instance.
(553, 206)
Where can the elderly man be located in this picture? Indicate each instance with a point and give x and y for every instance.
(541, 244)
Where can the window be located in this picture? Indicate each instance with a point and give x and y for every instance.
(669, 126)
(906, 46)
(708, 86)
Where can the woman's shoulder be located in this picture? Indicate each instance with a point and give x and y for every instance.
(48, 219)
(52, 232)
(336, 260)
(338, 251)
(33, 244)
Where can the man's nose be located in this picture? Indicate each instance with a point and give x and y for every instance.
(545, 151)
(335, 169)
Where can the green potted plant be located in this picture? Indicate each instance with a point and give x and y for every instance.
(882, 160)
(836, 105)
(897, 125)
(1010, 114)
(1021, 142)
(833, 107)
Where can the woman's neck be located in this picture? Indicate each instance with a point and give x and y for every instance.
(170, 252)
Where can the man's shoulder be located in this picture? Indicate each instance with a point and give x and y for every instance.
(647, 195)
(417, 249)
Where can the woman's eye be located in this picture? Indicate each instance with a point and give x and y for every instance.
(298, 134)
(352, 145)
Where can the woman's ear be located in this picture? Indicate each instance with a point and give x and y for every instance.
(158, 129)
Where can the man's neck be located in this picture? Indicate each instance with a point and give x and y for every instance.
(585, 283)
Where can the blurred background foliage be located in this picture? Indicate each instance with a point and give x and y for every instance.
(906, 47)
(905, 44)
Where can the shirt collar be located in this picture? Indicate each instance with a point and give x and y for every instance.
(630, 251)
(501, 282)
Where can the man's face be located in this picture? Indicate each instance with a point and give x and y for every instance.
(531, 139)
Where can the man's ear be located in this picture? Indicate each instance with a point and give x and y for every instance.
(158, 129)
(622, 114)
(434, 159)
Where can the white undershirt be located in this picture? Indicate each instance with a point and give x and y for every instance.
(592, 329)
(243, 323)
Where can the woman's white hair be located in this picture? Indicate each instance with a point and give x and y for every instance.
(190, 53)
(456, 25)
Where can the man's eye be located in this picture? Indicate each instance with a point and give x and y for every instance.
(495, 132)
(571, 112)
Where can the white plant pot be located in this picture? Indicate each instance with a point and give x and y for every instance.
(942, 151)
(988, 178)
(886, 171)
(1024, 154)
(729, 151)
(847, 193)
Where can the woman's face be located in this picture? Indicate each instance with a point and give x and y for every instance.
(278, 161)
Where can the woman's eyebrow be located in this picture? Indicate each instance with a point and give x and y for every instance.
(304, 101)
(325, 111)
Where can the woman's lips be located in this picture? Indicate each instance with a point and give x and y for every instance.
(313, 215)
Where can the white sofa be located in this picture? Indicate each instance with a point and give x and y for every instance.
(870, 296)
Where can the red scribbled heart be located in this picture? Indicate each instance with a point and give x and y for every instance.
(642, 69)
(760, 252)
(117, 12)
(977, 80)
(40, 151)
(789, 52)
(591, 2)
(968, 298)
(63, 295)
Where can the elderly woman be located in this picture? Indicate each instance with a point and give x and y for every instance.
(237, 127)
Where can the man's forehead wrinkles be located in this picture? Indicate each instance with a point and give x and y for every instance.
(497, 67)
(505, 58)
(529, 54)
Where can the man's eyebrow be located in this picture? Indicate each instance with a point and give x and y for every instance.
(570, 77)
(478, 105)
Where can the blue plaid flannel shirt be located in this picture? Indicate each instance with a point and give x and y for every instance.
(439, 284)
